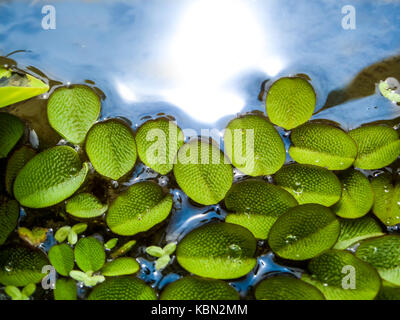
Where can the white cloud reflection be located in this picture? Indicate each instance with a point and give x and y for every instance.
(214, 42)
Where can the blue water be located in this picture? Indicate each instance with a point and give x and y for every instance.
(203, 62)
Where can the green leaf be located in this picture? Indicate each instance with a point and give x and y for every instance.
(120, 267)
(218, 251)
(387, 199)
(111, 148)
(170, 248)
(94, 280)
(203, 172)
(138, 209)
(286, 288)
(13, 292)
(333, 273)
(65, 289)
(162, 262)
(11, 130)
(357, 195)
(29, 289)
(50, 177)
(378, 146)
(62, 233)
(72, 111)
(72, 237)
(89, 254)
(158, 142)
(20, 266)
(389, 92)
(62, 258)
(310, 184)
(9, 214)
(355, 230)
(79, 228)
(383, 253)
(78, 275)
(110, 244)
(290, 102)
(256, 205)
(123, 249)
(254, 146)
(85, 205)
(16, 162)
(322, 145)
(13, 92)
(303, 232)
(155, 251)
(123, 288)
(195, 288)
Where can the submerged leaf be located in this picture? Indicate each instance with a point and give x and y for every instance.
(11, 130)
(89, 254)
(9, 214)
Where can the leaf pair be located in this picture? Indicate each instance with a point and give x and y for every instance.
(163, 254)
(17, 294)
(70, 232)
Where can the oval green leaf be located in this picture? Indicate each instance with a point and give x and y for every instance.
(120, 267)
(355, 230)
(62, 258)
(286, 288)
(378, 146)
(89, 254)
(111, 148)
(290, 102)
(123, 288)
(256, 205)
(303, 232)
(72, 111)
(50, 177)
(322, 145)
(65, 289)
(383, 253)
(16, 162)
(195, 288)
(85, 206)
(218, 251)
(138, 209)
(310, 184)
(254, 146)
(357, 195)
(387, 199)
(339, 275)
(203, 172)
(158, 142)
